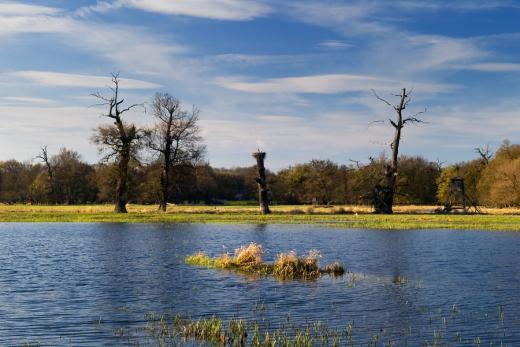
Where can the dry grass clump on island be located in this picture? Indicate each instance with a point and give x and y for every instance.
(287, 266)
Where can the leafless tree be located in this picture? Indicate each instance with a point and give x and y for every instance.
(175, 137)
(119, 141)
(44, 157)
(485, 154)
(384, 194)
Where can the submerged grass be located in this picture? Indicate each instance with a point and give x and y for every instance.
(168, 330)
(288, 265)
(176, 330)
(406, 217)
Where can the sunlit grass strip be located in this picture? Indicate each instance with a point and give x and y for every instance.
(288, 265)
(248, 215)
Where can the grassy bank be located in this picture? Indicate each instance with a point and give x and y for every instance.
(406, 217)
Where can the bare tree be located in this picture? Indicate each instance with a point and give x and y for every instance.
(120, 141)
(175, 137)
(485, 154)
(43, 156)
(384, 194)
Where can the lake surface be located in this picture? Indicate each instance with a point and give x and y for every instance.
(84, 284)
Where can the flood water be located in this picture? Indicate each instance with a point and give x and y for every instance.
(81, 284)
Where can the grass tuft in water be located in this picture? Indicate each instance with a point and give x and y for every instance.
(288, 265)
(291, 266)
(334, 269)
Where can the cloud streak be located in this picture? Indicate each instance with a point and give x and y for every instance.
(232, 10)
(494, 67)
(59, 79)
(327, 84)
(129, 48)
(17, 9)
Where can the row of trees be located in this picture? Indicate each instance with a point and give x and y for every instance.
(492, 182)
(174, 169)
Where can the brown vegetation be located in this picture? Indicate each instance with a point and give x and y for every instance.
(287, 266)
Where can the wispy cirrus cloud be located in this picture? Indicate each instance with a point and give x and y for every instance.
(234, 10)
(386, 46)
(326, 84)
(60, 79)
(17, 9)
(33, 19)
(469, 5)
(335, 44)
(27, 100)
(127, 47)
(493, 67)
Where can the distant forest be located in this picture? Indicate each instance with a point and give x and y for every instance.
(491, 179)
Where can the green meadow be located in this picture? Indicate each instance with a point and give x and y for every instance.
(359, 217)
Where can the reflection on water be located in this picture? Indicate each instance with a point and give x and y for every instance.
(77, 284)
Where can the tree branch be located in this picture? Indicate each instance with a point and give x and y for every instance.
(381, 99)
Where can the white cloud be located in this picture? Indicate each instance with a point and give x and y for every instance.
(335, 44)
(327, 84)
(428, 52)
(212, 9)
(53, 126)
(27, 100)
(17, 9)
(494, 67)
(59, 79)
(349, 19)
(37, 23)
(456, 5)
(386, 49)
(129, 48)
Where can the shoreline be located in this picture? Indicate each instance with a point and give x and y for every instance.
(352, 217)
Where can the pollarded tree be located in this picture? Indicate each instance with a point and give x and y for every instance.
(119, 142)
(384, 194)
(175, 137)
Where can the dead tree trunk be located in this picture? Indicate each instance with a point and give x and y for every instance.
(122, 179)
(50, 173)
(263, 191)
(384, 194)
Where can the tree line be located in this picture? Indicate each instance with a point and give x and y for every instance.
(495, 182)
(166, 163)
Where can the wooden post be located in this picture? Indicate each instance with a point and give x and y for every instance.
(263, 199)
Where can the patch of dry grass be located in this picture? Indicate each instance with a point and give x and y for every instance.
(249, 255)
(288, 265)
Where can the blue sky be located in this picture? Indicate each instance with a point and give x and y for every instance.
(291, 77)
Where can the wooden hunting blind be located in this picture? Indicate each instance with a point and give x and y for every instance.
(457, 184)
(458, 199)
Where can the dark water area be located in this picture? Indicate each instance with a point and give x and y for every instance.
(86, 284)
